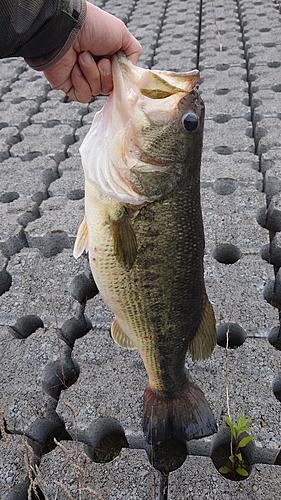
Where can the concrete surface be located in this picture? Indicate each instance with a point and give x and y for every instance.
(60, 371)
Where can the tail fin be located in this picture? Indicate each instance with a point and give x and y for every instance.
(185, 416)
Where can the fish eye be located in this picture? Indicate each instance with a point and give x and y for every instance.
(190, 122)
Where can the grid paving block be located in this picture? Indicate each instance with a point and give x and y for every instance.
(267, 134)
(12, 466)
(40, 286)
(69, 185)
(17, 115)
(223, 105)
(198, 478)
(270, 159)
(38, 140)
(231, 218)
(240, 167)
(80, 134)
(111, 382)
(266, 104)
(214, 57)
(30, 86)
(231, 289)
(263, 56)
(37, 175)
(22, 364)
(13, 216)
(69, 113)
(8, 137)
(264, 78)
(60, 218)
(128, 477)
(224, 78)
(255, 361)
(234, 134)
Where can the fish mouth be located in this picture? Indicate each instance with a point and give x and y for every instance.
(114, 145)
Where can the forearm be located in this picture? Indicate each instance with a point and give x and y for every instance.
(41, 34)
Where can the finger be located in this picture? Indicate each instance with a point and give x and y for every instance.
(131, 48)
(91, 72)
(81, 90)
(104, 66)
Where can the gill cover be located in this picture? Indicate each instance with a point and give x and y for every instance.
(111, 148)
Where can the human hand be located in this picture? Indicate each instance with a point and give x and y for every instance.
(77, 73)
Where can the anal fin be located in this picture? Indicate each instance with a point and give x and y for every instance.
(204, 341)
(120, 337)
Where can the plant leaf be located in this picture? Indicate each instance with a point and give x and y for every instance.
(242, 472)
(231, 458)
(231, 426)
(239, 456)
(245, 441)
(224, 470)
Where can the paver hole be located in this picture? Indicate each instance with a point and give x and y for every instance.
(276, 387)
(26, 325)
(276, 88)
(225, 186)
(41, 434)
(222, 67)
(104, 439)
(227, 253)
(168, 456)
(76, 194)
(83, 288)
(222, 118)
(59, 375)
(222, 91)
(274, 337)
(9, 197)
(221, 451)
(274, 64)
(264, 30)
(223, 150)
(235, 333)
(5, 281)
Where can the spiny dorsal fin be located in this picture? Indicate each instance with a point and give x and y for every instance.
(204, 341)
(81, 242)
(124, 239)
(120, 337)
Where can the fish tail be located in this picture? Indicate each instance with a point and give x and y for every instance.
(185, 416)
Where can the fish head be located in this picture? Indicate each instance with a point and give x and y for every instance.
(147, 139)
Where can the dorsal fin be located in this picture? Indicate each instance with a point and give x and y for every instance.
(204, 341)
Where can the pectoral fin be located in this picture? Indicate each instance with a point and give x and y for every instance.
(81, 242)
(120, 337)
(204, 341)
(124, 238)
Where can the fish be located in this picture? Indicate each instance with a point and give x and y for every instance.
(144, 233)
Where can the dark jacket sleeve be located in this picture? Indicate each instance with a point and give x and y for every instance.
(41, 31)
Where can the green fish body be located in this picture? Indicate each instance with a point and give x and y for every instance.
(144, 233)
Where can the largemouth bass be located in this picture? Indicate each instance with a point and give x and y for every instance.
(144, 233)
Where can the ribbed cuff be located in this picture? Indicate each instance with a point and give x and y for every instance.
(46, 61)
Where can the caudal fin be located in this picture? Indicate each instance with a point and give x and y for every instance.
(185, 416)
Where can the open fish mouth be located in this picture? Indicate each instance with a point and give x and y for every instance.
(114, 144)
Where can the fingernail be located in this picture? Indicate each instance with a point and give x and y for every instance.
(105, 67)
(87, 58)
(78, 70)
